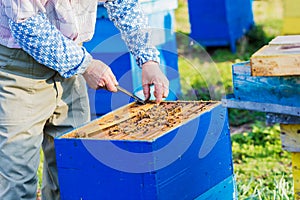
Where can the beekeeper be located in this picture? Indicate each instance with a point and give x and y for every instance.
(43, 76)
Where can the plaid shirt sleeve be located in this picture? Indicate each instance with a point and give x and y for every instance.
(133, 25)
(47, 45)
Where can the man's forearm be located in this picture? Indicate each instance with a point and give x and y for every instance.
(129, 19)
(47, 45)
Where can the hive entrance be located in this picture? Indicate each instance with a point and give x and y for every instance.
(141, 122)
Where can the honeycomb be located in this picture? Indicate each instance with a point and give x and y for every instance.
(142, 122)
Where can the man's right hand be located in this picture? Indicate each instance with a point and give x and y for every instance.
(98, 75)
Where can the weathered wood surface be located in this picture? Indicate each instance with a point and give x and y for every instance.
(286, 39)
(280, 58)
(231, 102)
(290, 137)
(296, 174)
(142, 122)
(274, 90)
(277, 118)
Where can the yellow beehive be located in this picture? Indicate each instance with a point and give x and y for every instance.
(291, 17)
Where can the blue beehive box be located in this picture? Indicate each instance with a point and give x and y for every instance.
(281, 90)
(108, 46)
(191, 160)
(271, 94)
(220, 22)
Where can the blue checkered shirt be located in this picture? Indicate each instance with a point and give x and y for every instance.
(59, 50)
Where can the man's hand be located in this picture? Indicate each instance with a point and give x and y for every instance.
(98, 74)
(152, 75)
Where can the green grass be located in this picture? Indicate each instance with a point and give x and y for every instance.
(262, 168)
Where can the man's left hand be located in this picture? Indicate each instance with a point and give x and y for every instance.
(152, 75)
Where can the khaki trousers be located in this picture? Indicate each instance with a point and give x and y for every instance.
(36, 105)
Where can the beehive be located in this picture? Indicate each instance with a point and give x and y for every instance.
(291, 17)
(278, 90)
(220, 22)
(281, 57)
(175, 150)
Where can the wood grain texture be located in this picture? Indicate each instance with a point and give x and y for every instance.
(276, 60)
(231, 101)
(285, 39)
(283, 91)
(142, 122)
(278, 118)
(290, 137)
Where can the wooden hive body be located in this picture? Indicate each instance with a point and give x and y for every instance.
(189, 160)
(281, 90)
(281, 57)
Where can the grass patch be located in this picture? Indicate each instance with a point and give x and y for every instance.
(262, 168)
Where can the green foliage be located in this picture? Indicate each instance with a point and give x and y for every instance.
(262, 168)
(239, 117)
(260, 136)
(257, 37)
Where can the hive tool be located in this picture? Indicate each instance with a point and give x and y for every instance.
(139, 100)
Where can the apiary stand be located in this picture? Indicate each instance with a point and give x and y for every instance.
(190, 161)
(270, 83)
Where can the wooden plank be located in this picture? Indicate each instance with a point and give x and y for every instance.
(290, 137)
(296, 174)
(231, 102)
(142, 122)
(285, 40)
(276, 60)
(276, 118)
(275, 90)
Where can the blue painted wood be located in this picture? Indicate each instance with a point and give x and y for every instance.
(223, 190)
(180, 164)
(275, 90)
(230, 101)
(220, 22)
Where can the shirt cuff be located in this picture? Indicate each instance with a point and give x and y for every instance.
(87, 59)
(148, 55)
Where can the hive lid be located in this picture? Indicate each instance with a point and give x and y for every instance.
(280, 58)
(285, 40)
(142, 122)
